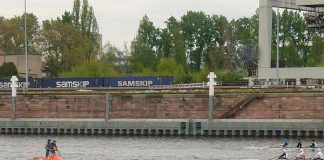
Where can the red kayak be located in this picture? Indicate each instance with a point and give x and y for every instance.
(55, 157)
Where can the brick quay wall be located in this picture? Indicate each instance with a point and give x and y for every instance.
(166, 106)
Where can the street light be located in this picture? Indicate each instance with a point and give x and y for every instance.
(26, 57)
(278, 42)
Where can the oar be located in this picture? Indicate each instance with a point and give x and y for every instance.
(59, 153)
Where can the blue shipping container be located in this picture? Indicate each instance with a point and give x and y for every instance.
(71, 82)
(32, 83)
(138, 81)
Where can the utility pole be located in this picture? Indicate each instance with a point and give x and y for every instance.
(26, 56)
(278, 42)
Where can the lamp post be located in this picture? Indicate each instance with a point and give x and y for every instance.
(277, 42)
(26, 56)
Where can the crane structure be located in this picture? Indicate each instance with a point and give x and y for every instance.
(265, 72)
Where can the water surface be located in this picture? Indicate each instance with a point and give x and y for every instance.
(16, 147)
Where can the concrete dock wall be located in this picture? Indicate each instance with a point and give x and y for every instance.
(165, 106)
(256, 127)
(266, 114)
(162, 127)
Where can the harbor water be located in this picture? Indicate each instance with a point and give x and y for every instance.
(22, 147)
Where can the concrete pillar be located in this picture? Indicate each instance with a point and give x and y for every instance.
(265, 35)
(283, 81)
(251, 83)
(225, 133)
(298, 82)
(249, 133)
(282, 133)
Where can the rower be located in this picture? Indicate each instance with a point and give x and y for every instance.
(53, 147)
(285, 145)
(47, 147)
(301, 155)
(313, 145)
(299, 144)
(284, 154)
(53, 144)
(318, 155)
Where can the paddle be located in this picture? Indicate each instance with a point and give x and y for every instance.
(59, 153)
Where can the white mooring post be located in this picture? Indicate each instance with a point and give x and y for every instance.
(211, 85)
(14, 87)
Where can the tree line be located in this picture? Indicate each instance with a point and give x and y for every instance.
(187, 48)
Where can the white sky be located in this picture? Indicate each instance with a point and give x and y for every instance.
(119, 19)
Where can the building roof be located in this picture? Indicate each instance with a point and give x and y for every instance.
(311, 3)
(2, 53)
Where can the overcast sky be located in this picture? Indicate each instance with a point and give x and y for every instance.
(119, 19)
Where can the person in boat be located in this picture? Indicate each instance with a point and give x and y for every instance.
(47, 148)
(53, 147)
(284, 154)
(318, 155)
(299, 144)
(285, 145)
(313, 145)
(301, 155)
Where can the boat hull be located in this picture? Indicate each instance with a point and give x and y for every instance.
(47, 158)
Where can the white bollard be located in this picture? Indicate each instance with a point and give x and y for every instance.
(14, 86)
(211, 84)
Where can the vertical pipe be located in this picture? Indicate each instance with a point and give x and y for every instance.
(13, 105)
(108, 107)
(278, 42)
(26, 57)
(211, 107)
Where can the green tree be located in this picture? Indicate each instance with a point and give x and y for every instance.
(12, 34)
(144, 47)
(169, 66)
(175, 44)
(76, 13)
(294, 39)
(116, 58)
(316, 57)
(246, 30)
(83, 19)
(196, 27)
(64, 47)
(7, 70)
(91, 69)
(110, 54)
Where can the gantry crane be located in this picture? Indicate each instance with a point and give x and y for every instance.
(265, 72)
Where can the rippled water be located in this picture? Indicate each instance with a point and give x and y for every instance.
(16, 147)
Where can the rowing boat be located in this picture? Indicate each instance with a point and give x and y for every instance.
(55, 157)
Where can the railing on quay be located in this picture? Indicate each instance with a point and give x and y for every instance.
(190, 86)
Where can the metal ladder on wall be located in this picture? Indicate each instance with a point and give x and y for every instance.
(238, 107)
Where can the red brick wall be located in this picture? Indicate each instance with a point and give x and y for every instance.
(5, 107)
(66, 106)
(287, 106)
